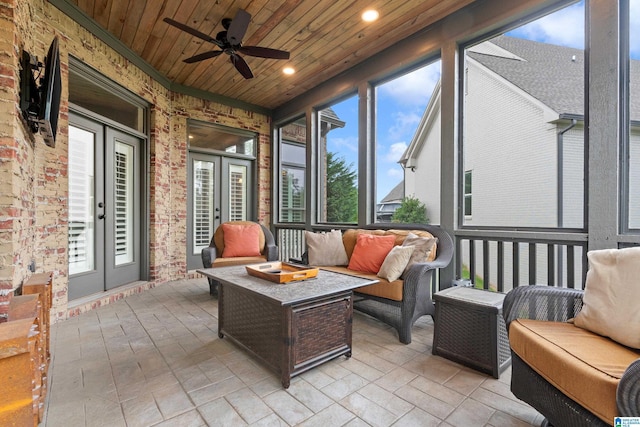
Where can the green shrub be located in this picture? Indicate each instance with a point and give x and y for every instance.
(411, 211)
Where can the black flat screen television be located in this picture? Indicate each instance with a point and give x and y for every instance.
(50, 88)
(40, 98)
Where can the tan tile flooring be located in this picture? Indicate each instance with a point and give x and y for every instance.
(155, 359)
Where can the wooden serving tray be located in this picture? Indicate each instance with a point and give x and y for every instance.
(281, 272)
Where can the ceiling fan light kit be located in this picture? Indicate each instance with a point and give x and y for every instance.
(230, 42)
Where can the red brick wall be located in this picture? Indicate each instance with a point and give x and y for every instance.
(33, 177)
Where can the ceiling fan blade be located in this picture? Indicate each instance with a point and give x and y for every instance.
(263, 52)
(203, 56)
(192, 31)
(241, 66)
(238, 27)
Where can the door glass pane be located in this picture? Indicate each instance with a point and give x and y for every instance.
(81, 200)
(237, 193)
(123, 176)
(203, 196)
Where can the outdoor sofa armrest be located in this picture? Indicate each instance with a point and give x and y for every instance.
(628, 393)
(270, 247)
(541, 302)
(208, 254)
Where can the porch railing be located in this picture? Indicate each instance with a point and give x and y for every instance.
(497, 260)
(502, 260)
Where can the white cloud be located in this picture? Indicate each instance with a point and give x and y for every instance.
(405, 123)
(395, 173)
(564, 27)
(339, 144)
(414, 88)
(395, 151)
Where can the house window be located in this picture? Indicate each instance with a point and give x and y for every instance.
(338, 162)
(633, 171)
(467, 193)
(292, 182)
(407, 124)
(523, 124)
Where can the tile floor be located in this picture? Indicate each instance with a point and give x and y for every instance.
(155, 359)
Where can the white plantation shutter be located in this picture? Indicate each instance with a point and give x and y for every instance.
(237, 193)
(81, 196)
(123, 200)
(203, 196)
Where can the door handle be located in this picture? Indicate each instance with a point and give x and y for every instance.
(101, 216)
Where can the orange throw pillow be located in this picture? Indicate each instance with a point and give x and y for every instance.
(370, 252)
(241, 240)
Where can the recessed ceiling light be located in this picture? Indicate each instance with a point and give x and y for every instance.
(288, 70)
(370, 15)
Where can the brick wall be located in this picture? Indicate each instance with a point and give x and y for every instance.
(33, 177)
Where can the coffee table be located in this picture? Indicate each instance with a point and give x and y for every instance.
(291, 327)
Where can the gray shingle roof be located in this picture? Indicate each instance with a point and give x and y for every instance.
(550, 73)
(396, 193)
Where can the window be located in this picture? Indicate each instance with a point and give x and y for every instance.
(338, 162)
(522, 90)
(467, 193)
(292, 171)
(220, 138)
(634, 115)
(408, 140)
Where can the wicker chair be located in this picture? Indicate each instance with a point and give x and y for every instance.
(212, 255)
(559, 304)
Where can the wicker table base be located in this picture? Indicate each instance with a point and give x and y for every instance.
(291, 327)
(469, 329)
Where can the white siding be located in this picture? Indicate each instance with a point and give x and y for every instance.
(512, 152)
(424, 182)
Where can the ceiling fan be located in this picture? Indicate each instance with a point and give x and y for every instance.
(230, 42)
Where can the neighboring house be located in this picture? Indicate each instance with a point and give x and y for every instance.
(523, 139)
(389, 203)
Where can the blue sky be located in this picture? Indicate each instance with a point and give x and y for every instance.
(402, 101)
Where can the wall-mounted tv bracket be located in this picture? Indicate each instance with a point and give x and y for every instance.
(30, 93)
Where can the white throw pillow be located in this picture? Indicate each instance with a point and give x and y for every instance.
(612, 295)
(422, 249)
(395, 262)
(326, 248)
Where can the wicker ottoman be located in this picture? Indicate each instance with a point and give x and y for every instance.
(470, 329)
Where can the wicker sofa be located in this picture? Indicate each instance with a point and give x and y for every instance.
(401, 302)
(570, 375)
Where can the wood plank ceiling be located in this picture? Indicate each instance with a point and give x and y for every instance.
(324, 37)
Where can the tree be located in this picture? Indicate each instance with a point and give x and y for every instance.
(411, 211)
(342, 192)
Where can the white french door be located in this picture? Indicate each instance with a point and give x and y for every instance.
(104, 207)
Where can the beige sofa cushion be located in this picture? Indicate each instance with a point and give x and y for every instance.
(611, 295)
(584, 366)
(383, 289)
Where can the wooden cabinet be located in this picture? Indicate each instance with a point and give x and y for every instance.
(24, 354)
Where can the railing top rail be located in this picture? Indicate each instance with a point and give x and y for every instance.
(524, 236)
